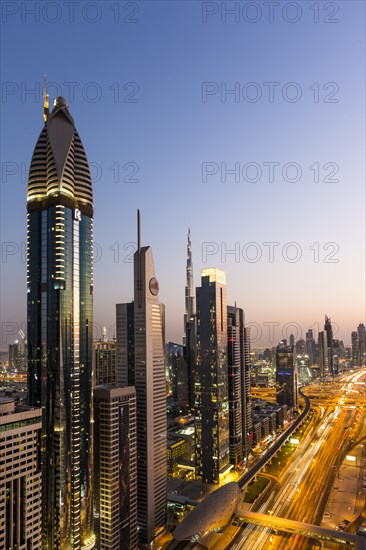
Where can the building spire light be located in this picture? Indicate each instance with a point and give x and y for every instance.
(45, 100)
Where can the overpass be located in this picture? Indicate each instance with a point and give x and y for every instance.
(248, 476)
(289, 526)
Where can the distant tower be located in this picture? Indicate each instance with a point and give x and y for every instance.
(212, 406)
(141, 363)
(60, 324)
(189, 340)
(286, 377)
(361, 332)
(190, 309)
(355, 350)
(323, 353)
(310, 346)
(329, 330)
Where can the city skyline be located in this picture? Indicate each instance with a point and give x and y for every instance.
(173, 132)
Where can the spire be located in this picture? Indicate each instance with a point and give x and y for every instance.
(189, 292)
(45, 100)
(139, 280)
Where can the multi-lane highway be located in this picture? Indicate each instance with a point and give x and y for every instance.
(300, 491)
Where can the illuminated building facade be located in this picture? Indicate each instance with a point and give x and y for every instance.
(141, 363)
(286, 377)
(20, 477)
(115, 481)
(105, 362)
(211, 382)
(60, 320)
(235, 355)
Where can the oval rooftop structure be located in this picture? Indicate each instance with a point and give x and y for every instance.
(212, 514)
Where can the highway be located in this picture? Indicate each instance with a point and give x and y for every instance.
(300, 491)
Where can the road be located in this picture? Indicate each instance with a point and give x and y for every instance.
(300, 491)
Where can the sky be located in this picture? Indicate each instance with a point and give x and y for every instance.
(244, 121)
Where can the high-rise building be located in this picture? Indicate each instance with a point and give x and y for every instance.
(361, 334)
(286, 376)
(247, 420)
(141, 364)
(189, 339)
(354, 341)
(125, 345)
(20, 477)
(211, 383)
(235, 356)
(105, 362)
(177, 374)
(240, 403)
(329, 330)
(115, 463)
(300, 347)
(190, 308)
(323, 353)
(16, 358)
(60, 321)
(310, 346)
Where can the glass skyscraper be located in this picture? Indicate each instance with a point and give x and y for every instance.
(211, 382)
(60, 318)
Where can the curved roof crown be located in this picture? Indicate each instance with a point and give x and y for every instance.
(59, 168)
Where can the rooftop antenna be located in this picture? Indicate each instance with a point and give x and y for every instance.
(45, 100)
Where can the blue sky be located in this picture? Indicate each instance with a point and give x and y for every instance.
(141, 106)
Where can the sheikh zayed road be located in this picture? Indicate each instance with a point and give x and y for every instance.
(320, 481)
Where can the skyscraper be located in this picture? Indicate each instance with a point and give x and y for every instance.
(190, 308)
(323, 353)
(329, 330)
(240, 407)
(361, 333)
(247, 420)
(141, 363)
(105, 362)
(189, 339)
(211, 383)
(60, 319)
(16, 358)
(235, 367)
(286, 376)
(115, 485)
(20, 477)
(310, 346)
(355, 354)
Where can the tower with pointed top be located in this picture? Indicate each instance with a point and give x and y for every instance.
(189, 339)
(60, 319)
(189, 295)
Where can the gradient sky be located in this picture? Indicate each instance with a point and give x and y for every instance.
(168, 132)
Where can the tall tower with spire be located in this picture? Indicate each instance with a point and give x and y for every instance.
(189, 295)
(189, 339)
(140, 362)
(60, 320)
